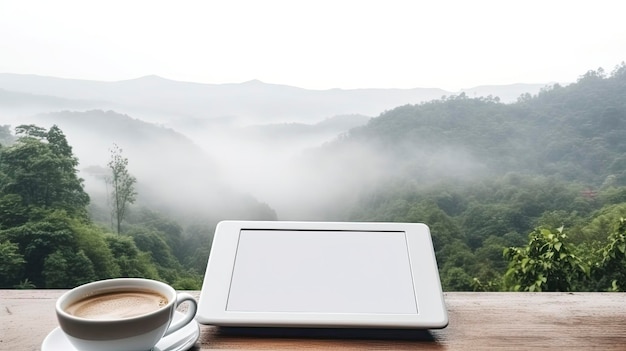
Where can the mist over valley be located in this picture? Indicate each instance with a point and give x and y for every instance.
(194, 146)
(486, 170)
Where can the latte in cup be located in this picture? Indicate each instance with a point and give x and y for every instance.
(117, 304)
(122, 314)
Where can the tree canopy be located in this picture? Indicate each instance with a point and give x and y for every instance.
(47, 238)
(40, 173)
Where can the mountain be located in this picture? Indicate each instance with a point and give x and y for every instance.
(574, 134)
(173, 173)
(251, 136)
(12, 103)
(481, 173)
(156, 99)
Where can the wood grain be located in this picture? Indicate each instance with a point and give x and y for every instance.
(478, 321)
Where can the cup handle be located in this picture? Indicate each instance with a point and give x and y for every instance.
(189, 315)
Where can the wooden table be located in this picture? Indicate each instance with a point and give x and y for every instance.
(478, 321)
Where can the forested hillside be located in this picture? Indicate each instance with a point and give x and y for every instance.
(484, 175)
(528, 195)
(52, 235)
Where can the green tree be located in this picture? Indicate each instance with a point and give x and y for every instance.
(11, 264)
(12, 211)
(40, 168)
(131, 261)
(168, 229)
(91, 241)
(38, 239)
(55, 270)
(612, 266)
(65, 268)
(152, 242)
(122, 187)
(46, 236)
(456, 279)
(547, 263)
(197, 246)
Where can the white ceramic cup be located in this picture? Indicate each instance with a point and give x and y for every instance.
(139, 333)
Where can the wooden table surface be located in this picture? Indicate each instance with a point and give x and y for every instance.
(478, 321)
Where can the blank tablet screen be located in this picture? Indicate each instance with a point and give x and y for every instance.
(322, 271)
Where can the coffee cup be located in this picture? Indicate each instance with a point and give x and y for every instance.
(129, 314)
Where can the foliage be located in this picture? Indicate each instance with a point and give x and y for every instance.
(38, 239)
(46, 237)
(40, 173)
(612, 266)
(91, 240)
(547, 263)
(65, 268)
(472, 221)
(132, 262)
(12, 262)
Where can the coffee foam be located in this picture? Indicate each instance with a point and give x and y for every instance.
(117, 305)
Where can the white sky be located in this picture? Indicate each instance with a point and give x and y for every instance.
(317, 44)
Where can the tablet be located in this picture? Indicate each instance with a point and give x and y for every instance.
(322, 274)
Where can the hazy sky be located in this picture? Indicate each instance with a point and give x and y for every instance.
(316, 44)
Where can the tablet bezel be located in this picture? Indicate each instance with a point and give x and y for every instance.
(431, 311)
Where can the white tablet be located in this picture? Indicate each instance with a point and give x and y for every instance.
(322, 274)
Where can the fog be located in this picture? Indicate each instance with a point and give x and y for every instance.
(235, 166)
(211, 171)
(221, 172)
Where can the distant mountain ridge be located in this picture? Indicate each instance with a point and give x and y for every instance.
(243, 136)
(35, 103)
(157, 99)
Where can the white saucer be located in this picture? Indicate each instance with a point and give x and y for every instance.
(180, 340)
